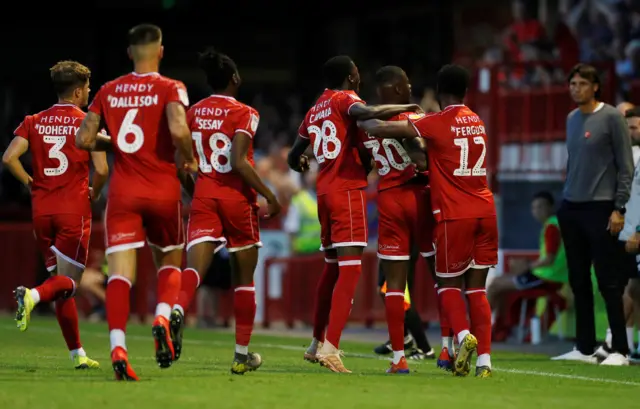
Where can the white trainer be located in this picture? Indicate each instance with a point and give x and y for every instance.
(576, 355)
(616, 359)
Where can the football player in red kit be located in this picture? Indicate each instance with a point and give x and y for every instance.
(466, 234)
(330, 126)
(61, 199)
(224, 210)
(404, 212)
(146, 114)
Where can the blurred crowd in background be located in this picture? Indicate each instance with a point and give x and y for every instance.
(534, 43)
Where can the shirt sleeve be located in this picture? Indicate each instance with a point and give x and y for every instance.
(23, 129)
(97, 103)
(302, 131)
(178, 93)
(623, 158)
(552, 239)
(346, 101)
(248, 122)
(423, 124)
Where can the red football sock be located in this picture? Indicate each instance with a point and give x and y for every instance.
(168, 289)
(480, 314)
(117, 294)
(67, 315)
(350, 269)
(324, 292)
(394, 305)
(244, 306)
(189, 285)
(56, 287)
(455, 308)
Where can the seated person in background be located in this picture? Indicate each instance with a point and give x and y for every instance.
(94, 284)
(548, 271)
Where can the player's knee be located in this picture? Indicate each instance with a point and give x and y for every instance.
(350, 251)
(450, 282)
(331, 254)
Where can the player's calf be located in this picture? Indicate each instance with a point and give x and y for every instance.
(244, 300)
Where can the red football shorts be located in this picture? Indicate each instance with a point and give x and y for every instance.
(64, 235)
(131, 220)
(343, 219)
(405, 219)
(465, 243)
(230, 222)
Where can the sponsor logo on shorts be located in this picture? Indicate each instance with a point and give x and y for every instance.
(202, 232)
(460, 265)
(388, 247)
(114, 238)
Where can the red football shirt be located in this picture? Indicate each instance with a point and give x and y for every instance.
(214, 121)
(457, 146)
(133, 108)
(393, 163)
(333, 134)
(60, 170)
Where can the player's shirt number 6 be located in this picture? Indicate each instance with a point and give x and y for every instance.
(323, 135)
(464, 170)
(129, 128)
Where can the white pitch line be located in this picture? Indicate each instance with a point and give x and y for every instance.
(357, 355)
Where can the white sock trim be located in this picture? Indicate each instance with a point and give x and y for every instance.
(116, 337)
(35, 295)
(397, 356)
(77, 352)
(163, 309)
(242, 349)
(447, 342)
(630, 334)
(462, 334)
(179, 308)
(484, 360)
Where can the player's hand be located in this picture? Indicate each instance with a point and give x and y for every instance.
(416, 108)
(304, 163)
(616, 222)
(29, 183)
(92, 195)
(191, 166)
(273, 208)
(633, 244)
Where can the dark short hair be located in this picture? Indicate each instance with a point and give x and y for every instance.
(388, 74)
(336, 70)
(219, 68)
(68, 75)
(632, 113)
(144, 34)
(545, 195)
(589, 73)
(453, 80)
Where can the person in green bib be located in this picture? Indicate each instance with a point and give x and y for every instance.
(548, 271)
(301, 221)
